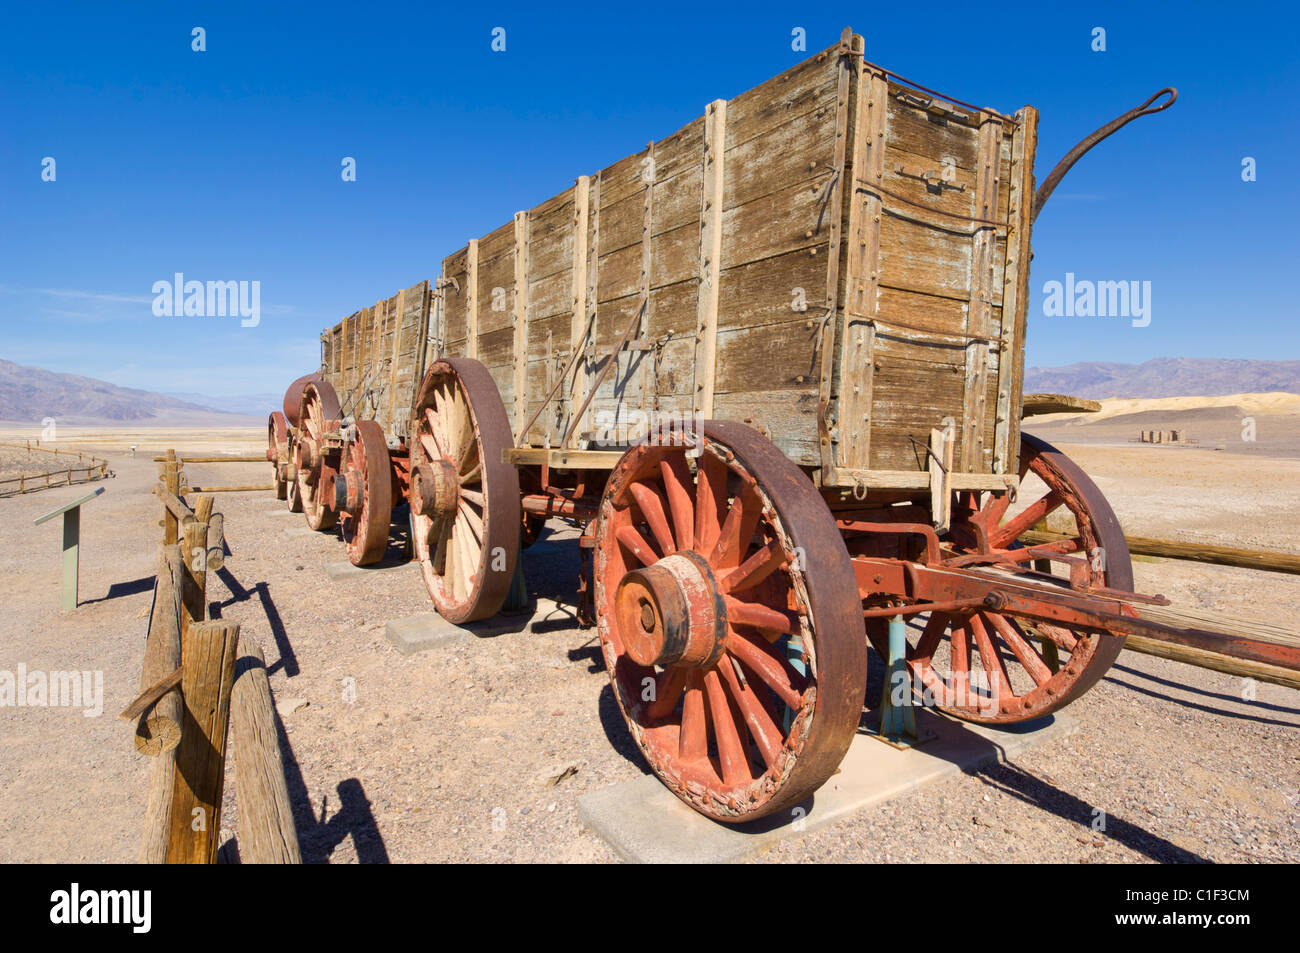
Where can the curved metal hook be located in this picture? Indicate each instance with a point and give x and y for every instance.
(1074, 155)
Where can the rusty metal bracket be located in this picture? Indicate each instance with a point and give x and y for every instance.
(937, 108)
(1078, 152)
(934, 181)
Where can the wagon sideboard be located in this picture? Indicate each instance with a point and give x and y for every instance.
(835, 257)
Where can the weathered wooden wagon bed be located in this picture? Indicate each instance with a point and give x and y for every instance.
(772, 365)
(824, 256)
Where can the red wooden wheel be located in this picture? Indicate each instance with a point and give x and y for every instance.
(318, 415)
(277, 452)
(363, 494)
(464, 499)
(983, 665)
(730, 621)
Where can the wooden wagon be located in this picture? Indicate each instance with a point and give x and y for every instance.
(772, 365)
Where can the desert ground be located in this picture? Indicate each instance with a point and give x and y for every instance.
(479, 752)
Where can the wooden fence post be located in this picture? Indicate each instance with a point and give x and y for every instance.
(267, 834)
(159, 730)
(172, 483)
(194, 550)
(163, 649)
(208, 661)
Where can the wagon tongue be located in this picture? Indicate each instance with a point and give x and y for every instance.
(1109, 612)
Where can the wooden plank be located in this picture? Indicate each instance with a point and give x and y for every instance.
(520, 320)
(849, 55)
(584, 374)
(917, 479)
(812, 84)
(392, 373)
(771, 357)
(1242, 668)
(786, 417)
(267, 834)
(861, 305)
(471, 299)
(1015, 294)
(1196, 552)
(710, 260)
(562, 459)
(940, 467)
(973, 456)
(1037, 404)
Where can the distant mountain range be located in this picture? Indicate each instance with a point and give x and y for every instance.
(30, 394)
(254, 405)
(1165, 377)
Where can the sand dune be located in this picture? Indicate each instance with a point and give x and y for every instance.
(1274, 403)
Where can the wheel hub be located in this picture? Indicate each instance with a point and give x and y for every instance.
(347, 492)
(435, 488)
(309, 460)
(671, 613)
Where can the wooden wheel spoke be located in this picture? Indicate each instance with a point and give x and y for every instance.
(1015, 640)
(737, 530)
(451, 559)
(760, 616)
(669, 686)
(1010, 531)
(1064, 638)
(771, 671)
(926, 645)
(731, 752)
(991, 660)
(959, 660)
(472, 496)
(473, 520)
(753, 570)
(710, 498)
(677, 480)
(760, 725)
(435, 443)
(636, 545)
(693, 741)
(651, 505)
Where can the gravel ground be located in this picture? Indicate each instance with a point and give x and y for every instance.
(479, 752)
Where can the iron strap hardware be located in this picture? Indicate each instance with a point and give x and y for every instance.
(935, 182)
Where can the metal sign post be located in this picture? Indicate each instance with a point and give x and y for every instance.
(71, 543)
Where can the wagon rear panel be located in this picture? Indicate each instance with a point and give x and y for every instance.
(933, 322)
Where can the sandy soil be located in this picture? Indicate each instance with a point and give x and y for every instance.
(455, 755)
(1258, 425)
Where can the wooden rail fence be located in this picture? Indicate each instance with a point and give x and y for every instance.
(233, 488)
(196, 691)
(96, 469)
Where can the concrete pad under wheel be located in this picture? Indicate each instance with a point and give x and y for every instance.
(428, 630)
(645, 823)
(345, 570)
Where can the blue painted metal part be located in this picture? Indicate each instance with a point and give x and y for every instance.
(897, 716)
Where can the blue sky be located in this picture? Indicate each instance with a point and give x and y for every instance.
(225, 164)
